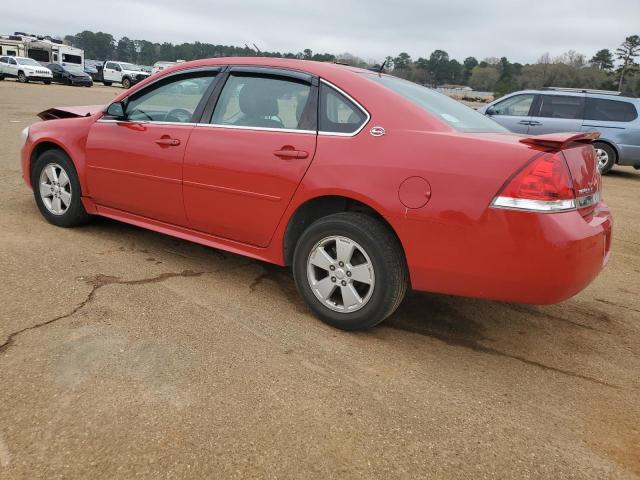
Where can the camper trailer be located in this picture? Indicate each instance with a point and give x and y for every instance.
(41, 49)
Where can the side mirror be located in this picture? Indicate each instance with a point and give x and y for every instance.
(116, 110)
(491, 110)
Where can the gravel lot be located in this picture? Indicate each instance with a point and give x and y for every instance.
(128, 353)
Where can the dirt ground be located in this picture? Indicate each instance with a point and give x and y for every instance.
(126, 353)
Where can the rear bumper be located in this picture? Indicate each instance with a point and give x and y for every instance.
(509, 255)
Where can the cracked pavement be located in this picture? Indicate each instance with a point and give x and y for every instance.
(126, 353)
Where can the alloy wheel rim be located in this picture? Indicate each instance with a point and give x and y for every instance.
(340, 274)
(55, 189)
(602, 156)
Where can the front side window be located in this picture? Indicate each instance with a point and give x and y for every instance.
(110, 65)
(338, 114)
(172, 100)
(12, 61)
(610, 110)
(516, 106)
(261, 101)
(559, 106)
(450, 111)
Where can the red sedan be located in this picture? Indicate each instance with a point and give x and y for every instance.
(366, 184)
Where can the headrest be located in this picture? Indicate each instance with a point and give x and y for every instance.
(256, 102)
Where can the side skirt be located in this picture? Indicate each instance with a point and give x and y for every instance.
(187, 234)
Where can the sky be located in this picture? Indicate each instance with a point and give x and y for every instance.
(518, 29)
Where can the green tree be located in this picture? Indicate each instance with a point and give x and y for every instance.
(627, 53)
(603, 59)
(484, 79)
(439, 66)
(469, 64)
(307, 54)
(125, 50)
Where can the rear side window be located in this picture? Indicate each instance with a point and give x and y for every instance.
(610, 110)
(518, 105)
(338, 114)
(262, 101)
(559, 106)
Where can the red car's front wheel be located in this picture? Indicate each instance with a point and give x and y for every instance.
(351, 271)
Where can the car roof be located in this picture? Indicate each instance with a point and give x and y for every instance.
(570, 93)
(320, 69)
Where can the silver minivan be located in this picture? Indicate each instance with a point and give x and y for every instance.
(550, 110)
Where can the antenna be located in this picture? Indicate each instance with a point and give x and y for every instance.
(382, 67)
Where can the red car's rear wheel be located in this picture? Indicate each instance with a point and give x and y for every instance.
(351, 271)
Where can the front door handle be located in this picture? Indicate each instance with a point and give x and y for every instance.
(290, 152)
(167, 141)
(534, 123)
(524, 122)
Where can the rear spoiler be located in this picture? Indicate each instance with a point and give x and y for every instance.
(70, 112)
(559, 141)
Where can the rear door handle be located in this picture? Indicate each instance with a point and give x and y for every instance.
(291, 153)
(167, 141)
(524, 122)
(533, 123)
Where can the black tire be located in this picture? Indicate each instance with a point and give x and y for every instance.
(75, 214)
(387, 258)
(611, 156)
(22, 78)
(106, 84)
(47, 82)
(1, 77)
(126, 83)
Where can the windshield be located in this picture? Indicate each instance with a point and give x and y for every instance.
(27, 61)
(452, 112)
(129, 66)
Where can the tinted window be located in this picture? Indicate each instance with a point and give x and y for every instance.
(558, 106)
(173, 100)
(448, 110)
(338, 114)
(39, 55)
(518, 105)
(71, 58)
(609, 110)
(266, 102)
(12, 61)
(4, 60)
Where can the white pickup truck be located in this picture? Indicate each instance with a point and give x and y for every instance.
(124, 73)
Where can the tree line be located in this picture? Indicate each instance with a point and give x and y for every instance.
(606, 69)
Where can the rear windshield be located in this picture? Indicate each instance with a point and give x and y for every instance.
(450, 111)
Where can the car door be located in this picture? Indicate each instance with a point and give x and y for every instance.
(57, 72)
(557, 113)
(134, 163)
(242, 168)
(4, 62)
(12, 67)
(514, 113)
(110, 72)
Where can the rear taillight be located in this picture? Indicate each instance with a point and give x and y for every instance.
(543, 185)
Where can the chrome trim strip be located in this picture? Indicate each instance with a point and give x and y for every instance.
(264, 129)
(144, 122)
(356, 103)
(588, 200)
(533, 205)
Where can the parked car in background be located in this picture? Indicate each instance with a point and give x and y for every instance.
(365, 183)
(70, 75)
(24, 69)
(159, 66)
(123, 73)
(551, 110)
